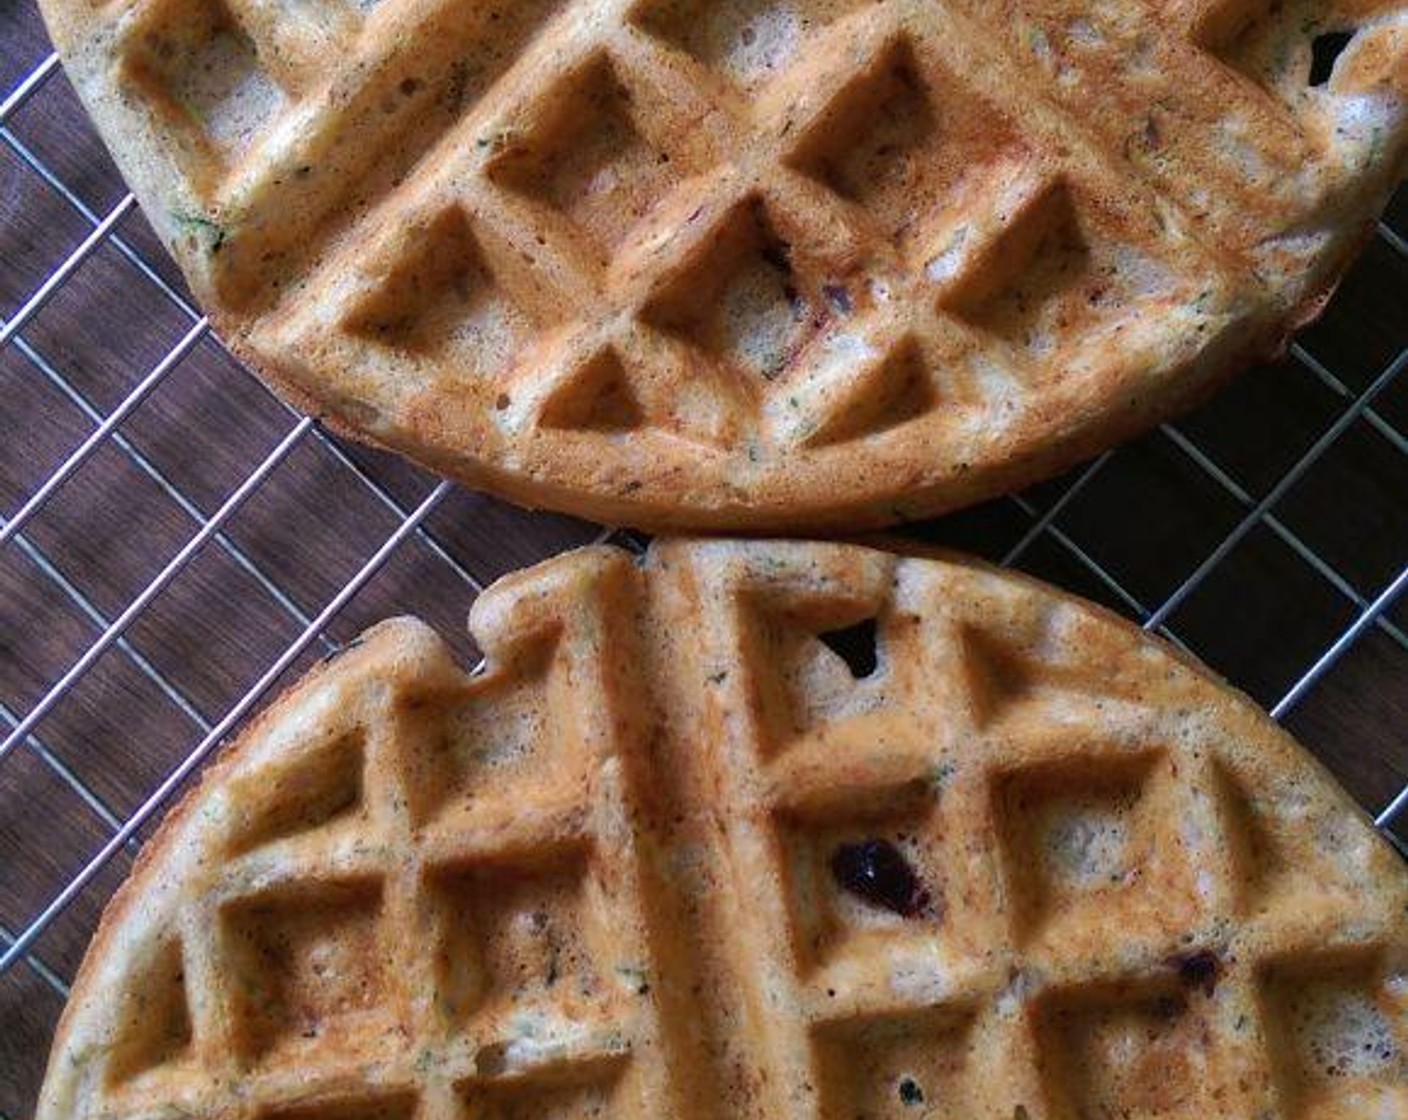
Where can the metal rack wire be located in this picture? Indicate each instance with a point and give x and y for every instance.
(23, 730)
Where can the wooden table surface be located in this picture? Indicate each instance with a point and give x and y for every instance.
(1149, 518)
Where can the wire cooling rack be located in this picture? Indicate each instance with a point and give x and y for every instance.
(176, 543)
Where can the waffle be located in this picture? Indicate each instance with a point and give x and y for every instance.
(745, 264)
(754, 830)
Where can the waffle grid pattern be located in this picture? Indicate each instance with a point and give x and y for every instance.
(1123, 1025)
(752, 223)
(1132, 942)
(385, 937)
(534, 229)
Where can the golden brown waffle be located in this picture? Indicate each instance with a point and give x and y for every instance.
(750, 263)
(671, 854)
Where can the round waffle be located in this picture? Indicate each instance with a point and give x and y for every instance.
(797, 264)
(754, 830)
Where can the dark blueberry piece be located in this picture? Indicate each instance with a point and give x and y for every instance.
(1198, 970)
(838, 296)
(877, 871)
(910, 1092)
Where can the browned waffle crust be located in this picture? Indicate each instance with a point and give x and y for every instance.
(656, 860)
(749, 263)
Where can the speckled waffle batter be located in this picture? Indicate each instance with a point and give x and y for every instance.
(750, 263)
(754, 830)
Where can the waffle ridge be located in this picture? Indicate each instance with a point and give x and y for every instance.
(789, 263)
(600, 878)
